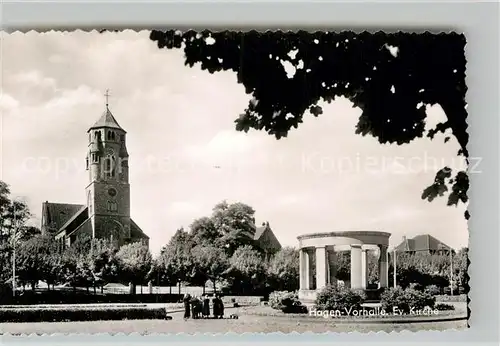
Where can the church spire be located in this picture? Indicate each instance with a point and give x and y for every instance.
(107, 119)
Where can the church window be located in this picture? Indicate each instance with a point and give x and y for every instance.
(112, 206)
(87, 162)
(111, 135)
(110, 166)
(122, 138)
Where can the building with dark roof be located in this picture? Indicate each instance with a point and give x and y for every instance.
(266, 240)
(106, 213)
(422, 243)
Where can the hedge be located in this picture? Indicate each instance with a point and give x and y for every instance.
(94, 313)
(339, 298)
(68, 297)
(406, 299)
(72, 306)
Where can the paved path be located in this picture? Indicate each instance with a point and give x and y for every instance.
(246, 323)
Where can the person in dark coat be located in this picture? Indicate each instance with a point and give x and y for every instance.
(218, 307)
(194, 307)
(215, 306)
(221, 307)
(199, 307)
(206, 306)
(187, 309)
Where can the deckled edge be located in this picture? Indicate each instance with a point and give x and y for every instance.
(413, 31)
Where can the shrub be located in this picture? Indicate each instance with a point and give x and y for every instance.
(79, 314)
(406, 299)
(339, 298)
(444, 307)
(433, 290)
(288, 302)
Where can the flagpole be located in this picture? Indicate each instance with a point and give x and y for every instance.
(14, 253)
(394, 273)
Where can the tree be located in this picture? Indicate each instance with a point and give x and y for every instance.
(210, 262)
(103, 262)
(236, 223)
(36, 260)
(283, 270)
(203, 231)
(135, 263)
(390, 77)
(460, 267)
(176, 258)
(12, 212)
(248, 270)
(343, 265)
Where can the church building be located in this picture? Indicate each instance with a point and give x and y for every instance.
(106, 213)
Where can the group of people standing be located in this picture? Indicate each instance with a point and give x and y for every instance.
(199, 307)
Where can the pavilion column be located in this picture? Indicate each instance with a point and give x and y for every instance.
(332, 269)
(364, 268)
(356, 266)
(321, 271)
(303, 270)
(383, 267)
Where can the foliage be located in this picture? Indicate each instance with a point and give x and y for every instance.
(13, 213)
(332, 297)
(79, 313)
(236, 224)
(176, 258)
(135, 262)
(433, 290)
(211, 262)
(286, 301)
(444, 307)
(390, 77)
(283, 269)
(247, 270)
(406, 299)
(203, 231)
(36, 259)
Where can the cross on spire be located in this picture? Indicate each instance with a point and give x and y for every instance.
(107, 95)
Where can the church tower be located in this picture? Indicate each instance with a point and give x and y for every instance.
(108, 191)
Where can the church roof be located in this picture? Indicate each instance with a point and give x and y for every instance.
(57, 214)
(423, 242)
(106, 120)
(265, 237)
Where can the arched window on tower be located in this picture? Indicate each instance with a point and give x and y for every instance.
(112, 206)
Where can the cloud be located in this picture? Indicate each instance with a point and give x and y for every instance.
(183, 118)
(33, 78)
(8, 103)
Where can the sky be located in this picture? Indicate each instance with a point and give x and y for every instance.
(185, 154)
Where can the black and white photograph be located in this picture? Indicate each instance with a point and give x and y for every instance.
(181, 181)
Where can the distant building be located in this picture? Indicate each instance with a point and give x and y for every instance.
(266, 240)
(423, 243)
(106, 214)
